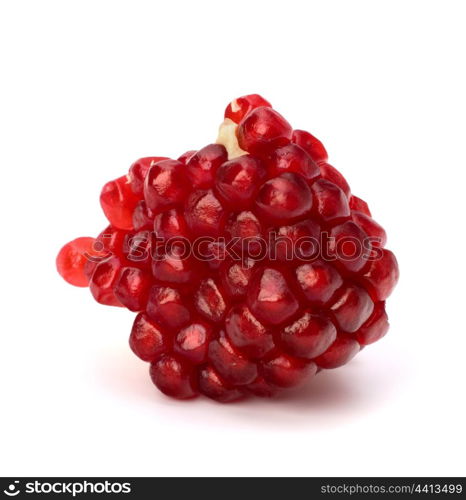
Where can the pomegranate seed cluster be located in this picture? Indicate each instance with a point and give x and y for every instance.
(249, 263)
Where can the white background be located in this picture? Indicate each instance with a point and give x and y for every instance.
(89, 86)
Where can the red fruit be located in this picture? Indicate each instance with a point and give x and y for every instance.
(263, 130)
(292, 158)
(240, 107)
(375, 327)
(214, 387)
(103, 282)
(319, 281)
(166, 185)
(147, 339)
(311, 144)
(138, 171)
(167, 306)
(287, 371)
(132, 288)
(239, 180)
(284, 198)
(249, 274)
(204, 213)
(352, 308)
(203, 165)
(72, 259)
(359, 205)
(333, 175)
(174, 377)
(382, 275)
(118, 202)
(330, 202)
(309, 336)
(270, 298)
(246, 332)
(232, 365)
(192, 342)
(339, 353)
(371, 228)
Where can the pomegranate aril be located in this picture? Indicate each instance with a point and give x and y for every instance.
(175, 267)
(214, 387)
(147, 339)
(382, 275)
(284, 198)
(185, 157)
(237, 181)
(170, 224)
(166, 185)
(240, 107)
(287, 371)
(233, 366)
(246, 230)
(352, 307)
(339, 353)
(351, 246)
(262, 130)
(330, 202)
(203, 165)
(311, 144)
(209, 301)
(114, 241)
(235, 277)
(132, 288)
(192, 342)
(139, 252)
(246, 333)
(103, 280)
(167, 306)
(308, 336)
(296, 242)
(261, 388)
(270, 298)
(118, 202)
(359, 205)
(205, 214)
(375, 327)
(138, 171)
(174, 377)
(73, 257)
(319, 281)
(292, 158)
(331, 174)
(374, 230)
(142, 217)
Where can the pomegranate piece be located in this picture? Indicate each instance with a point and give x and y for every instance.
(262, 130)
(249, 263)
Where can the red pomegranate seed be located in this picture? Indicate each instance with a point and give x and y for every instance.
(235, 277)
(262, 130)
(103, 281)
(352, 308)
(114, 241)
(382, 275)
(132, 288)
(292, 158)
(287, 371)
(118, 202)
(214, 387)
(185, 157)
(339, 353)
(375, 327)
(170, 224)
(205, 214)
(359, 205)
(166, 306)
(174, 268)
(233, 366)
(239, 180)
(351, 245)
(142, 217)
(138, 171)
(246, 228)
(371, 228)
(192, 342)
(309, 336)
(284, 198)
(330, 202)
(240, 107)
(310, 144)
(261, 388)
(203, 165)
(209, 301)
(174, 377)
(139, 250)
(165, 185)
(296, 242)
(73, 257)
(246, 333)
(333, 175)
(147, 340)
(319, 281)
(270, 298)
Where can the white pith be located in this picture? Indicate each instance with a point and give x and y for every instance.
(227, 137)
